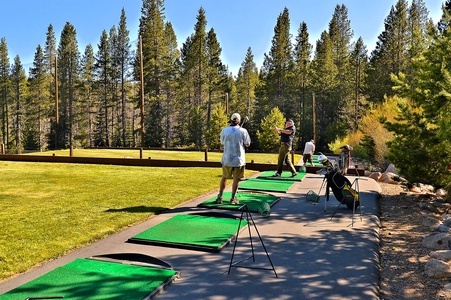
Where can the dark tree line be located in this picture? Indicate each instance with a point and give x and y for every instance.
(100, 97)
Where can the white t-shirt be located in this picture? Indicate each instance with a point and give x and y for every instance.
(309, 148)
(234, 138)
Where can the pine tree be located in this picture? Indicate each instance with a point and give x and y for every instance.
(324, 83)
(19, 94)
(170, 82)
(302, 58)
(151, 30)
(5, 86)
(390, 54)
(216, 74)
(199, 56)
(103, 70)
(359, 66)
(68, 72)
(340, 36)
(122, 58)
(422, 133)
(279, 67)
(246, 82)
(87, 91)
(39, 105)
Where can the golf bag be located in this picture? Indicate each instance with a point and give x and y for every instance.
(342, 189)
(340, 185)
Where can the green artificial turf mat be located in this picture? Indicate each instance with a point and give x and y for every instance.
(266, 185)
(84, 279)
(191, 232)
(284, 176)
(252, 200)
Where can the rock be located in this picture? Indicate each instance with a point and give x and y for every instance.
(387, 177)
(437, 269)
(415, 189)
(442, 228)
(440, 193)
(430, 222)
(447, 222)
(437, 241)
(428, 206)
(391, 169)
(444, 255)
(375, 175)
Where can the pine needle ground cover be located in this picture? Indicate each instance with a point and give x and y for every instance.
(49, 209)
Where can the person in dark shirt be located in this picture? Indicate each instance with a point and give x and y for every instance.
(286, 141)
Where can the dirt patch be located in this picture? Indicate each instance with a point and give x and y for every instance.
(403, 257)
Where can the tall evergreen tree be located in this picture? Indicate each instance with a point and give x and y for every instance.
(5, 86)
(68, 73)
(216, 73)
(390, 54)
(246, 82)
(123, 59)
(340, 35)
(151, 30)
(103, 70)
(324, 83)
(359, 66)
(170, 82)
(423, 132)
(302, 57)
(88, 91)
(19, 94)
(38, 107)
(279, 70)
(199, 56)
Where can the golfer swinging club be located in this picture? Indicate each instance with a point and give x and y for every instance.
(233, 140)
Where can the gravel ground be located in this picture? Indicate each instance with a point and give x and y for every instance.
(403, 257)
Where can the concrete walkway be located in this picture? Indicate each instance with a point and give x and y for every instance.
(314, 256)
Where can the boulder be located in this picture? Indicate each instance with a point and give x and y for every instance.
(437, 241)
(391, 169)
(375, 175)
(437, 269)
(430, 222)
(387, 177)
(444, 255)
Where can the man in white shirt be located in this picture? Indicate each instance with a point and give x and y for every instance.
(233, 140)
(308, 152)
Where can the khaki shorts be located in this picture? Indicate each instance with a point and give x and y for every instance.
(232, 172)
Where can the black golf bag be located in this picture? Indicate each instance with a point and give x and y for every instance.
(340, 185)
(342, 188)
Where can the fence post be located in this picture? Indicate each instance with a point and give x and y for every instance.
(206, 154)
(141, 153)
(71, 151)
(3, 148)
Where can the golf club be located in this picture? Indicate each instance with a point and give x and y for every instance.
(246, 118)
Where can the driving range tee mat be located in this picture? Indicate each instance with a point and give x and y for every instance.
(253, 201)
(257, 184)
(92, 279)
(284, 176)
(193, 232)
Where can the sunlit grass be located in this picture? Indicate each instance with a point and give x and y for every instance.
(49, 209)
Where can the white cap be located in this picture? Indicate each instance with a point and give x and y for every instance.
(235, 117)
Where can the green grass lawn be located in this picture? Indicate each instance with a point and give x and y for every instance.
(49, 209)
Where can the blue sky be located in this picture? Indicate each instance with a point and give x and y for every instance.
(238, 24)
